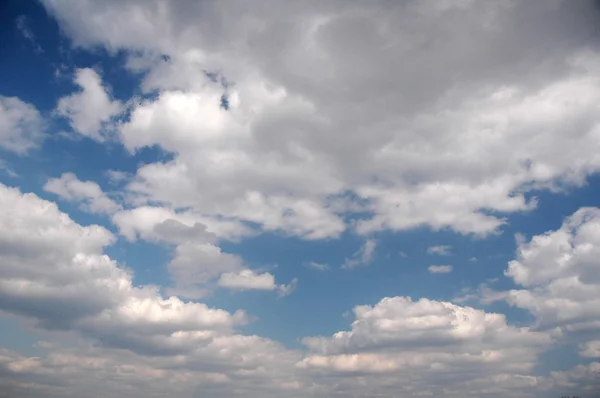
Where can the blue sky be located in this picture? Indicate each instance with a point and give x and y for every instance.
(397, 200)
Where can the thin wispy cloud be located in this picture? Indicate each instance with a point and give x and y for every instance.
(440, 250)
(440, 269)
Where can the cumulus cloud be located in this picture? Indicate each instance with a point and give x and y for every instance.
(372, 116)
(590, 349)
(330, 113)
(427, 340)
(21, 125)
(440, 269)
(197, 260)
(89, 109)
(87, 193)
(54, 272)
(559, 278)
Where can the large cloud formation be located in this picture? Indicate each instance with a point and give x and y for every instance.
(309, 119)
(431, 114)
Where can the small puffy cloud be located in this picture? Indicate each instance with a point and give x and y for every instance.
(87, 193)
(440, 269)
(590, 349)
(21, 125)
(89, 109)
(363, 256)
(287, 289)
(251, 280)
(441, 250)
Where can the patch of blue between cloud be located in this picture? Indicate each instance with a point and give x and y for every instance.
(224, 102)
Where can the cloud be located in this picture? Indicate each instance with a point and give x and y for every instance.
(362, 257)
(590, 349)
(89, 109)
(5, 169)
(482, 294)
(247, 279)
(447, 160)
(437, 343)
(441, 250)
(318, 266)
(87, 193)
(375, 116)
(198, 262)
(55, 278)
(155, 223)
(440, 269)
(55, 273)
(558, 278)
(21, 125)
(25, 30)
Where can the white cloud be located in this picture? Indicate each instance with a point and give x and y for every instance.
(558, 275)
(441, 250)
(318, 266)
(197, 261)
(88, 193)
(54, 272)
(440, 269)
(25, 30)
(435, 344)
(89, 109)
(329, 113)
(247, 279)
(590, 349)
(164, 224)
(372, 116)
(21, 125)
(363, 256)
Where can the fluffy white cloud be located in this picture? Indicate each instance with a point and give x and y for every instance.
(437, 345)
(248, 280)
(371, 116)
(89, 109)
(54, 272)
(21, 125)
(342, 104)
(197, 260)
(440, 250)
(559, 273)
(164, 224)
(87, 193)
(440, 269)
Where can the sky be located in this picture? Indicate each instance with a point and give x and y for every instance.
(353, 198)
